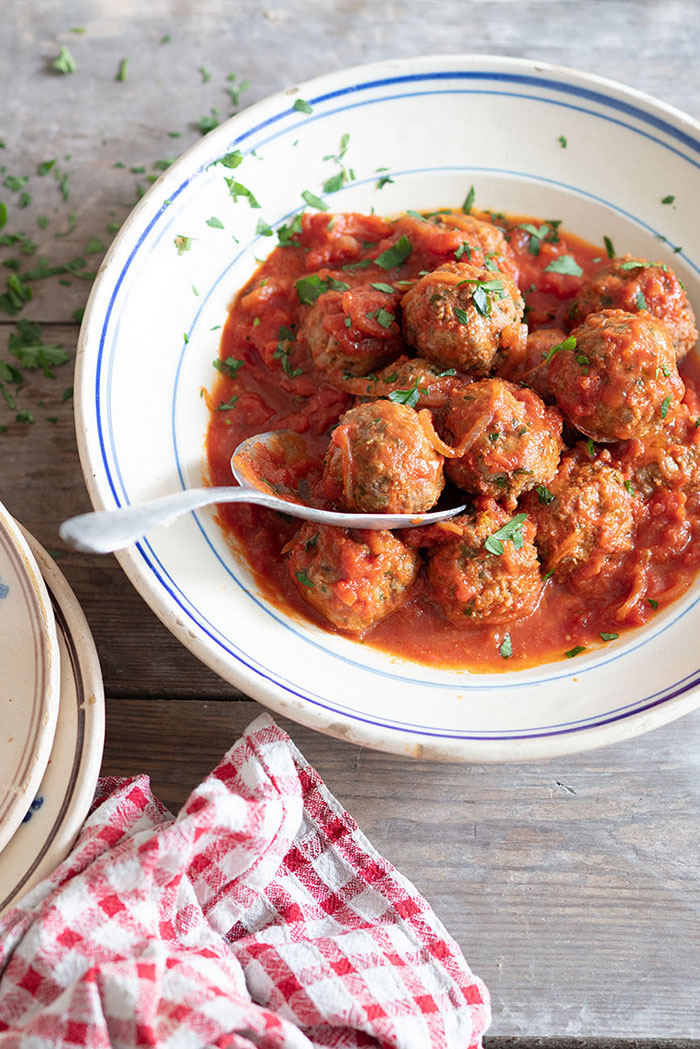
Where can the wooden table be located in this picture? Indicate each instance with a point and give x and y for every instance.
(572, 885)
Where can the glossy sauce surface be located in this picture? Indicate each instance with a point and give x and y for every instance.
(275, 386)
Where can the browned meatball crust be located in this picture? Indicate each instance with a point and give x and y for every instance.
(380, 460)
(352, 332)
(584, 514)
(353, 578)
(462, 316)
(473, 584)
(616, 378)
(507, 440)
(667, 457)
(633, 285)
(531, 368)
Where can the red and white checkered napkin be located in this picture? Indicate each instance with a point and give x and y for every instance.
(259, 918)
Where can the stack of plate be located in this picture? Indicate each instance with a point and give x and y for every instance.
(51, 714)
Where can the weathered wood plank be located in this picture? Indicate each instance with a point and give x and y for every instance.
(573, 885)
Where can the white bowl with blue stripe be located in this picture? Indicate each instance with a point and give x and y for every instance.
(151, 330)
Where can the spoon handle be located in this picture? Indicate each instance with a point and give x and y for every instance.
(107, 530)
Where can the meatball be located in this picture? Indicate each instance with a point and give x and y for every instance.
(531, 367)
(411, 377)
(472, 583)
(506, 439)
(583, 515)
(667, 457)
(616, 378)
(380, 460)
(454, 236)
(633, 284)
(353, 578)
(462, 316)
(352, 332)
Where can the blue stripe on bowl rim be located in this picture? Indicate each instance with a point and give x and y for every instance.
(147, 552)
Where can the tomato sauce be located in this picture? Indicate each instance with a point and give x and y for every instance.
(269, 382)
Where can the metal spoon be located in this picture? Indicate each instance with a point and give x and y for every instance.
(103, 531)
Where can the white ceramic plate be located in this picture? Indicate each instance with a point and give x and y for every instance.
(29, 677)
(439, 125)
(56, 813)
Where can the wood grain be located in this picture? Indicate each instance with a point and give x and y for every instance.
(571, 885)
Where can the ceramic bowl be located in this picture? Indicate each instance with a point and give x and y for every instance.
(29, 677)
(151, 330)
(55, 813)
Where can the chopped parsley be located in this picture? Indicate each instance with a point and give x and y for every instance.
(207, 123)
(215, 223)
(383, 181)
(285, 234)
(386, 288)
(568, 345)
(664, 407)
(30, 350)
(182, 244)
(384, 318)
(285, 345)
(302, 106)
(668, 200)
(610, 250)
(461, 315)
(537, 235)
(654, 604)
(562, 141)
(481, 296)
(64, 61)
(230, 366)
(236, 189)
(469, 201)
(609, 637)
(512, 530)
(575, 651)
(544, 494)
(310, 543)
(629, 487)
(506, 649)
(232, 160)
(121, 72)
(565, 264)
(313, 201)
(407, 397)
(226, 405)
(641, 301)
(396, 254)
(236, 89)
(591, 447)
(45, 166)
(304, 579)
(263, 229)
(309, 288)
(463, 249)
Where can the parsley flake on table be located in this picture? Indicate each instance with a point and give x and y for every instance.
(396, 254)
(469, 201)
(512, 530)
(94, 246)
(64, 61)
(45, 166)
(208, 123)
(204, 73)
(302, 106)
(236, 88)
(30, 350)
(230, 366)
(565, 264)
(506, 649)
(313, 201)
(121, 72)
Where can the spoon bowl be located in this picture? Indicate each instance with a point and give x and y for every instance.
(105, 531)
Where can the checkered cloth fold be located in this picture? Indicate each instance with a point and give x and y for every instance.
(259, 918)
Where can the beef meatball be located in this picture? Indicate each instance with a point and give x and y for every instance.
(352, 332)
(633, 285)
(531, 368)
(616, 376)
(453, 236)
(584, 514)
(462, 316)
(507, 440)
(473, 584)
(380, 460)
(668, 457)
(353, 578)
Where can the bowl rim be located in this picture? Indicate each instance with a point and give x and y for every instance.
(343, 726)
